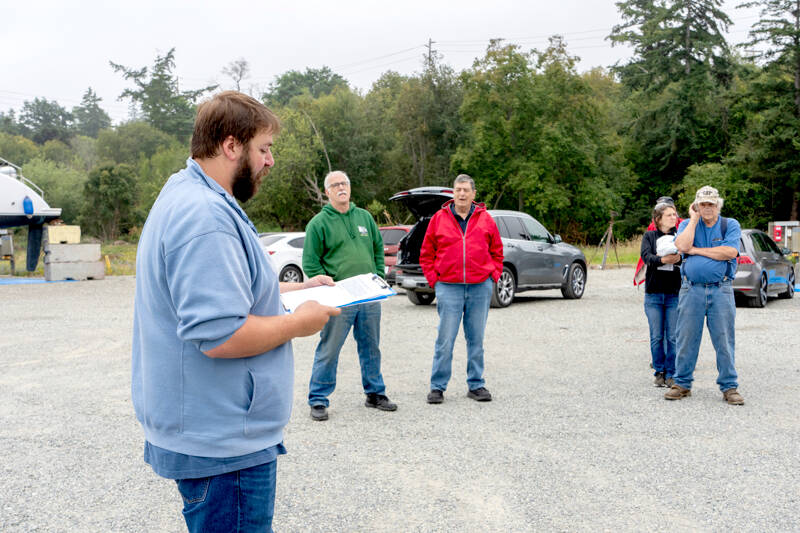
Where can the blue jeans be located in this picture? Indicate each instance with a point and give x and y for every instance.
(715, 305)
(454, 301)
(242, 501)
(662, 316)
(365, 319)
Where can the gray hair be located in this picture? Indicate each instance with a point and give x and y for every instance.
(335, 173)
(464, 178)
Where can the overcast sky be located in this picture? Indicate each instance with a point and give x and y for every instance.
(56, 49)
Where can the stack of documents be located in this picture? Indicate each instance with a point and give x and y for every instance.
(351, 291)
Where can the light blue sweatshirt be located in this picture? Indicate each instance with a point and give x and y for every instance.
(200, 271)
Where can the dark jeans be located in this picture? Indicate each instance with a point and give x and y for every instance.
(236, 502)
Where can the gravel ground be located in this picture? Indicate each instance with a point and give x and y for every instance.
(577, 438)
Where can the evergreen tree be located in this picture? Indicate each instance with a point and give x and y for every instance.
(89, 116)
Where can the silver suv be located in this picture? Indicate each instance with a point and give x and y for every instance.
(533, 258)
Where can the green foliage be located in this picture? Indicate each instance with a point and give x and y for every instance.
(17, 149)
(89, 116)
(9, 124)
(84, 150)
(537, 142)
(292, 193)
(62, 186)
(109, 207)
(153, 173)
(314, 82)
(44, 120)
(58, 152)
(743, 199)
(131, 141)
(164, 106)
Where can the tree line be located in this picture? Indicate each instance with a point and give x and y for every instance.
(572, 149)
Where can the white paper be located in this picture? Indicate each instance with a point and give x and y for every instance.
(351, 291)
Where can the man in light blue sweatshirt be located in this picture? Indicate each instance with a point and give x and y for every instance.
(212, 363)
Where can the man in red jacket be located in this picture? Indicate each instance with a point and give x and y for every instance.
(461, 256)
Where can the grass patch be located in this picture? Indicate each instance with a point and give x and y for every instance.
(627, 251)
(121, 258)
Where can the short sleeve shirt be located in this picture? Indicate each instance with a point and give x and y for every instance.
(701, 269)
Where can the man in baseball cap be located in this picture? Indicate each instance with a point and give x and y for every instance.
(710, 244)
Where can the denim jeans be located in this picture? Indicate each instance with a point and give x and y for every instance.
(365, 319)
(454, 301)
(662, 316)
(714, 305)
(242, 501)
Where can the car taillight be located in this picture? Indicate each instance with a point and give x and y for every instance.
(270, 252)
(744, 260)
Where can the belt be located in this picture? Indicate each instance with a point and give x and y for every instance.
(712, 284)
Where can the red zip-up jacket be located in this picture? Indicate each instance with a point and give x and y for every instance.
(451, 256)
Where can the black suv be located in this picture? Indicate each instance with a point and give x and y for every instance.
(533, 258)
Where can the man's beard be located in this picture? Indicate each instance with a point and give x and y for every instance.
(245, 183)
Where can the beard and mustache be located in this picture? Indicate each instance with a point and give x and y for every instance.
(245, 182)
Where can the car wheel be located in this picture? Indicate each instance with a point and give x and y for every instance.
(574, 283)
(421, 298)
(503, 291)
(291, 274)
(790, 286)
(760, 299)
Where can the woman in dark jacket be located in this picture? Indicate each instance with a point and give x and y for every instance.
(662, 284)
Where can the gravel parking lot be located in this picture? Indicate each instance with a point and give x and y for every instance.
(577, 439)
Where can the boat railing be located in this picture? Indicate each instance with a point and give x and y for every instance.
(22, 178)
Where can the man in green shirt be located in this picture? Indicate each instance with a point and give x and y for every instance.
(342, 241)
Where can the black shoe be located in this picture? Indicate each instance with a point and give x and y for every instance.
(435, 396)
(319, 413)
(480, 395)
(380, 401)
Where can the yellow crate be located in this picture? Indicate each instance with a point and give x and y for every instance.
(63, 234)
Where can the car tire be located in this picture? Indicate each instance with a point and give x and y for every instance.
(790, 286)
(421, 298)
(291, 274)
(760, 299)
(503, 290)
(574, 282)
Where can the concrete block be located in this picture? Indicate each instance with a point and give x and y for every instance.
(62, 234)
(71, 253)
(76, 271)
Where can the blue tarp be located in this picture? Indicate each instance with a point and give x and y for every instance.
(27, 281)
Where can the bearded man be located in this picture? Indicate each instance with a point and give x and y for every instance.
(212, 363)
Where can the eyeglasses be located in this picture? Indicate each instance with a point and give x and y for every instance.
(338, 184)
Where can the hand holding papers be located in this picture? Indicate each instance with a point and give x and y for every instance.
(350, 291)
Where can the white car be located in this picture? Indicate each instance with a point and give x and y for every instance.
(285, 252)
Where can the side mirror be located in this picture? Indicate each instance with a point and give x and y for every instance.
(557, 239)
(785, 250)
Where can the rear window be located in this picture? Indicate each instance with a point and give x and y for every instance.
(515, 228)
(267, 240)
(297, 243)
(392, 236)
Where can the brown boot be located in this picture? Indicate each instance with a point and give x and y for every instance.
(676, 392)
(733, 397)
(659, 381)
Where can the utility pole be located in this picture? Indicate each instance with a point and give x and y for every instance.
(430, 51)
